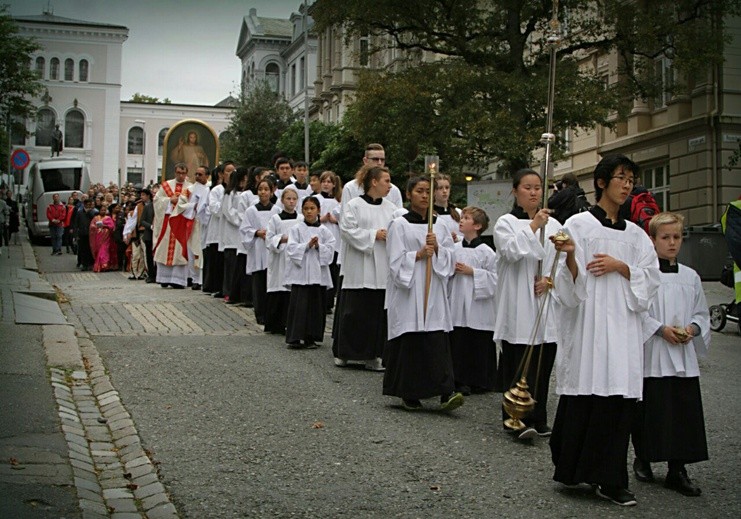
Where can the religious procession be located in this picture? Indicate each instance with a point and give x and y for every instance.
(414, 292)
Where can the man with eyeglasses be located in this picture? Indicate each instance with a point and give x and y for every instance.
(610, 277)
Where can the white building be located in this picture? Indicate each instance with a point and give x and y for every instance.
(80, 66)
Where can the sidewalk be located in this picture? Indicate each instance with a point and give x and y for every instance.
(67, 444)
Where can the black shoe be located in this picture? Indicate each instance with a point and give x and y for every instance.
(150, 280)
(176, 286)
(463, 390)
(619, 496)
(681, 482)
(132, 278)
(542, 430)
(142, 277)
(642, 471)
(218, 295)
(195, 286)
(164, 285)
(295, 345)
(411, 405)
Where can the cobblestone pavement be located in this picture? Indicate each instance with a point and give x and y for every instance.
(235, 425)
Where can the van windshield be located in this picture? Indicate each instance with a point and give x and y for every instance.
(61, 179)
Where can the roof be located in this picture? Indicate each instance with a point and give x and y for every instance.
(61, 20)
(260, 27)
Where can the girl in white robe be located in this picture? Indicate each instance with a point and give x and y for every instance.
(417, 356)
(361, 336)
(611, 277)
(473, 306)
(214, 260)
(447, 213)
(517, 237)
(669, 423)
(309, 252)
(331, 191)
(279, 295)
(254, 235)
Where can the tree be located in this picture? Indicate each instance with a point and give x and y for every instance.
(143, 98)
(320, 134)
(484, 98)
(257, 124)
(18, 83)
(343, 154)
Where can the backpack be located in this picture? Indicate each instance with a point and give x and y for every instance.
(643, 207)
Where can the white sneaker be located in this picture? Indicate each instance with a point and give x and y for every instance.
(375, 364)
(340, 363)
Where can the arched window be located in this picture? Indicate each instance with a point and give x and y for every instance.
(136, 141)
(74, 129)
(54, 68)
(161, 140)
(272, 75)
(69, 70)
(17, 131)
(83, 69)
(45, 121)
(41, 66)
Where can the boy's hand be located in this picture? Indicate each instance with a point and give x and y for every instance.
(672, 336)
(462, 268)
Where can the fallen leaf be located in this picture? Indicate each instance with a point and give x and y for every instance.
(317, 425)
(132, 486)
(13, 461)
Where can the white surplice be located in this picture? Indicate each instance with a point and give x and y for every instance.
(405, 287)
(473, 302)
(309, 266)
(518, 252)
(257, 252)
(365, 263)
(680, 301)
(215, 197)
(600, 346)
(277, 228)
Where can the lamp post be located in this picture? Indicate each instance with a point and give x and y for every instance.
(144, 148)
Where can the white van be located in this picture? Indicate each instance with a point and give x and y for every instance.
(57, 175)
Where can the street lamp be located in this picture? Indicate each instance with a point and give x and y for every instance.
(144, 148)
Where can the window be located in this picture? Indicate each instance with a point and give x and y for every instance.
(69, 70)
(364, 55)
(161, 140)
(74, 129)
(136, 141)
(54, 68)
(134, 175)
(272, 75)
(293, 79)
(301, 74)
(665, 74)
(40, 66)
(83, 69)
(61, 179)
(45, 121)
(656, 180)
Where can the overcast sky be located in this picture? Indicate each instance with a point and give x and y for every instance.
(167, 37)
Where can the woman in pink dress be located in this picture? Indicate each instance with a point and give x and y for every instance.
(101, 237)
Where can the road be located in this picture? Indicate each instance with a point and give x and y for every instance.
(240, 426)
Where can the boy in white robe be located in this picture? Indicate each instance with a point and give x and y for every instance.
(669, 423)
(611, 278)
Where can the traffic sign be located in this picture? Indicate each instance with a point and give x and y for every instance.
(19, 158)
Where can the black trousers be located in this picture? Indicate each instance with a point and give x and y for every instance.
(149, 253)
(512, 356)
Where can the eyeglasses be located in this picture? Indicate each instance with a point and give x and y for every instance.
(624, 180)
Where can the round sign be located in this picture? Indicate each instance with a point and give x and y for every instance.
(19, 158)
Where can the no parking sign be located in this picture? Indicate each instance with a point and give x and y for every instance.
(19, 158)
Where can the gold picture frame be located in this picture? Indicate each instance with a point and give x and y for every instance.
(193, 142)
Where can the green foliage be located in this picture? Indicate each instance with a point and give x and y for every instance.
(343, 155)
(257, 124)
(320, 134)
(484, 97)
(18, 82)
(143, 98)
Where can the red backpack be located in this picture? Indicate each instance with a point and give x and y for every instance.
(643, 207)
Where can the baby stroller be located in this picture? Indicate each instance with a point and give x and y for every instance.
(721, 314)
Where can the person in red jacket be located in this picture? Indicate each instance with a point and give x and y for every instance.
(56, 213)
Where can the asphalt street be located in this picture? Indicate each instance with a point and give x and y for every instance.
(240, 426)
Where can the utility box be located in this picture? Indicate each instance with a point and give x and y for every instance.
(705, 250)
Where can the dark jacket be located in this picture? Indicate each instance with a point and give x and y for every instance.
(147, 219)
(82, 221)
(567, 202)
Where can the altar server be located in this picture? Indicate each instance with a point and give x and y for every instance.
(364, 226)
(669, 423)
(278, 294)
(417, 355)
(229, 242)
(309, 251)
(254, 233)
(473, 306)
(611, 277)
(522, 289)
(214, 275)
(331, 193)
(446, 212)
